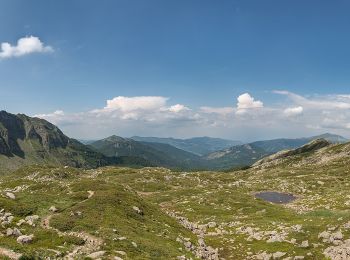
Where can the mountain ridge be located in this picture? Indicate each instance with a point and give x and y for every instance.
(158, 154)
(28, 140)
(197, 145)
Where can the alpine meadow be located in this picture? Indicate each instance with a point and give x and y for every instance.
(162, 129)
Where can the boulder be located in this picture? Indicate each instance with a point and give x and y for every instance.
(10, 195)
(53, 209)
(24, 239)
(278, 255)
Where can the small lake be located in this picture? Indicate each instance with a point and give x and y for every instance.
(275, 197)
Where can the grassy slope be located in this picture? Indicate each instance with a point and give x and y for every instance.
(226, 198)
(108, 214)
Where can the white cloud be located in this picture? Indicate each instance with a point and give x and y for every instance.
(25, 46)
(246, 102)
(178, 108)
(54, 114)
(128, 104)
(318, 102)
(293, 111)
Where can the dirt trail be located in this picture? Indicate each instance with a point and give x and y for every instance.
(92, 243)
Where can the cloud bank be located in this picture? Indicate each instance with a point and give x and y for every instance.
(25, 46)
(249, 118)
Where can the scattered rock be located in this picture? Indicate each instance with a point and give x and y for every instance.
(96, 255)
(340, 252)
(305, 244)
(211, 224)
(278, 255)
(334, 238)
(10, 195)
(120, 253)
(24, 239)
(30, 220)
(20, 222)
(138, 211)
(53, 209)
(13, 232)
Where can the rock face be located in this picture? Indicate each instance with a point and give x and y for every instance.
(25, 140)
(21, 127)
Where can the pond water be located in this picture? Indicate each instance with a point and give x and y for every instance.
(275, 197)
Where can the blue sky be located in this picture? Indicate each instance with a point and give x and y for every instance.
(196, 53)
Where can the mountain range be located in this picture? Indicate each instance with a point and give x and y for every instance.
(157, 154)
(197, 145)
(26, 140)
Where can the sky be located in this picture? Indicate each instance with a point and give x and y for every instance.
(237, 69)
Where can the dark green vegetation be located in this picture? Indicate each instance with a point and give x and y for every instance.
(116, 206)
(157, 154)
(198, 145)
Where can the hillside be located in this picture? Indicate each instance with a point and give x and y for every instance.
(157, 154)
(236, 156)
(244, 155)
(286, 154)
(25, 140)
(154, 213)
(197, 145)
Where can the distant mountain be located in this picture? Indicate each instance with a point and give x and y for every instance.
(276, 145)
(86, 142)
(157, 154)
(25, 140)
(197, 145)
(236, 156)
(244, 155)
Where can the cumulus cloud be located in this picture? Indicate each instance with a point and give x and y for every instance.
(246, 102)
(25, 46)
(178, 108)
(127, 104)
(293, 111)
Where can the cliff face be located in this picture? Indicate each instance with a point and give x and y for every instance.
(15, 129)
(26, 140)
